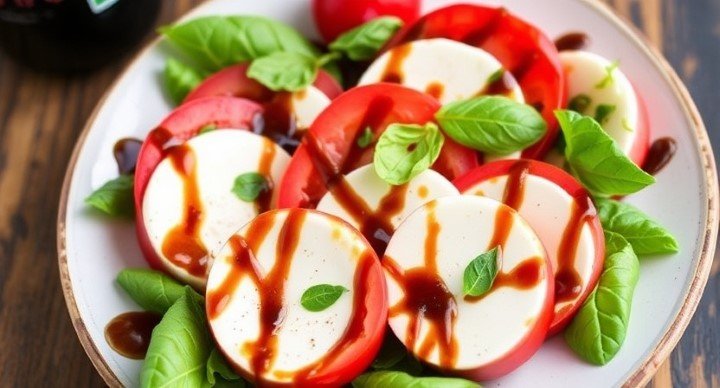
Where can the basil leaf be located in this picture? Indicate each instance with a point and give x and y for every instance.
(580, 103)
(214, 42)
(179, 347)
(405, 150)
(115, 197)
(365, 41)
(596, 160)
(321, 296)
(646, 236)
(284, 71)
(480, 273)
(216, 364)
(366, 138)
(608, 79)
(603, 112)
(333, 69)
(180, 79)
(492, 124)
(598, 330)
(393, 379)
(394, 356)
(151, 290)
(248, 186)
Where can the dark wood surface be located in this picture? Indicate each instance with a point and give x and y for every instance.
(41, 116)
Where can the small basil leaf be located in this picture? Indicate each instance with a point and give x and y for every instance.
(580, 103)
(393, 379)
(179, 347)
(405, 150)
(151, 290)
(598, 330)
(248, 186)
(480, 273)
(365, 41)
(596, 160)
(646, 236)
(115, 197)
(214, 42)
(284, 71)
(216, 364)
(609, 76)
(180, 79)
(603, 112)
(321, 296)
(492, 124)
(366, 138)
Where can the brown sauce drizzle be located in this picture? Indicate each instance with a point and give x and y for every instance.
(393, 69)
(182, 245)
(263, 201)
(568, 282)
(129, 333)
(435, 89)
(660, 154)
(501, 86)
(126, 153)
(524, 276)
(278, 122)
(572, 41)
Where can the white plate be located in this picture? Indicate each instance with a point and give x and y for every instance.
(93, 249)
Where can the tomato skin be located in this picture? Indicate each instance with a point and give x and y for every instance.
(182, 124)
(233, 81)
(337, 127)
(520, 47)
(333, 17)
(575, 190)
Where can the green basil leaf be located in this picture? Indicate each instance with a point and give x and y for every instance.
(580, 103)
(480, 273)
(598, 330)
(646, 236)
(405, 150)
(492, 124)
(333, 69)
(115, 197)
(180, 79)
(393, 379)
(394, 356)
(321, 296)
(366, 138)
(216, 364)
(365, 41)
(151, 290)
(596, 160)
(179, 347)
(214, 42)
(609, 76)
(603, 112)
(248, 186)
(284, 71)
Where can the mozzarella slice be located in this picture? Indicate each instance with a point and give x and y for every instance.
(599, 79)
(372, 189)
(307, 105)
(448, 234)
(254, 293)
(220, 156)
(447, 69)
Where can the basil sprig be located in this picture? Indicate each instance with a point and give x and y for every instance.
(114, 198)
(596, 160)
(598, 330)
(480, 273)
(180, 79)
(394, 379)
(405, 150)
(492, 124)
(152, 290)
(248, 186)
(321, 296)
(363, 42)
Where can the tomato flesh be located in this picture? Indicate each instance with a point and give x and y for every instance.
(333, 17)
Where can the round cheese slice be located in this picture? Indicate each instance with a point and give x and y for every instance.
(191, 205)
(262, 318)
(481, 337)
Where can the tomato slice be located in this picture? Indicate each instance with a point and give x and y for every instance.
(330, 149)
(233, 81)
(567, 299)
(522, 49)
(180, 125)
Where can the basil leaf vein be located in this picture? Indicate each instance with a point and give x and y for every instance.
(480, 273)
(403, 151)
(115, 197)
(365, 41)
(284, 71)
(321, 296)
(646, 236)
(394, 379)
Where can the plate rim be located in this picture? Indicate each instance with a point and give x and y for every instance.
(662, 348)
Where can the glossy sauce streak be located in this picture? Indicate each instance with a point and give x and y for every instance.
(278, 122)
(572, 41)
(502, 86)
(263, 201)
(435, 89)
(393, 69)
(660, 154)
(524, 276)
(126, 153)
(129, 333)
(182, 245)
(568, 283)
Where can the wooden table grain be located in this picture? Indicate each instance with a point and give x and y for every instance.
(41, 117)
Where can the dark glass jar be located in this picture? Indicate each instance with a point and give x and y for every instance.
(73, 35)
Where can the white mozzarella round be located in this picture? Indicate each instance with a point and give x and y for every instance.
(221, 156)
(307, 105)
(599, 79)
(370, 187)
(489, 329)
(547, 208)
(327, 252)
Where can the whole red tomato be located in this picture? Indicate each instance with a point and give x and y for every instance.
(333, 17)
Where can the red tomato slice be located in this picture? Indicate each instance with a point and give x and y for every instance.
(179, 126)
(333, 17)
(233, 81)
(330, 148)
(521, 48)
(564, 310)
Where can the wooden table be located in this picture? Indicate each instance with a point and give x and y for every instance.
(42, 115)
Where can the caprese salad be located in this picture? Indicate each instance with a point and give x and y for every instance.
(417, 202)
